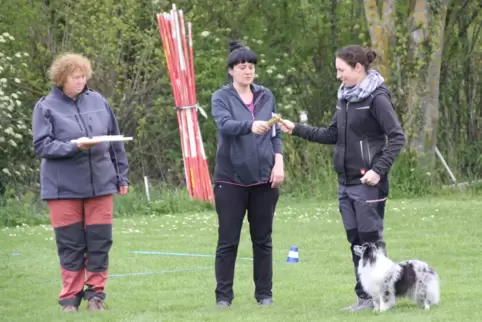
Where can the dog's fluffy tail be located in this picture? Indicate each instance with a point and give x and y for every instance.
(433, 289)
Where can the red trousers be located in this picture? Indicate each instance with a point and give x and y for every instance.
(83, 232)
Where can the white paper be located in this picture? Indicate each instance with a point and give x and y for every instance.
(103, 138)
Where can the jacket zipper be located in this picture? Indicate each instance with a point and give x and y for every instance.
(365, 157)
(344, 155)
(362, 154)
(254, 104)
(252, 114)
(90, 159)
(244, 104)
(257, 150)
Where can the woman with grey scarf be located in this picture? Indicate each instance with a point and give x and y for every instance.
(368, 139)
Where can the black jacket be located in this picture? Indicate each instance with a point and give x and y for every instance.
(242, 157)
(367, 134)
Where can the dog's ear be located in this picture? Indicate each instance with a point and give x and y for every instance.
(358, 250)
(369, 254)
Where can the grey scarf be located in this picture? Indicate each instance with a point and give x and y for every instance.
(358, 93)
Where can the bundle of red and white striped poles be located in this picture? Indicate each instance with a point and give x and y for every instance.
(180, 63)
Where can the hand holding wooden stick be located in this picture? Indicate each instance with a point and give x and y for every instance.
(275, 119)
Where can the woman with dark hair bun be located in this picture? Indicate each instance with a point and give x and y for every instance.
(368, 139)
(248, 172)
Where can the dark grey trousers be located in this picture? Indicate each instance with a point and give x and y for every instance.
(362, 209)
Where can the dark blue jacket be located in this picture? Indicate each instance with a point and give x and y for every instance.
(242, 157)
(66, 171)
(366, 134)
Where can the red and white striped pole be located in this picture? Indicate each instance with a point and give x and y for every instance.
(180, 63)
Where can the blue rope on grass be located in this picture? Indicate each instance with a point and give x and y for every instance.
(179, 254)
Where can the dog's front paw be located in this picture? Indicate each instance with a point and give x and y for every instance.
(383, 308)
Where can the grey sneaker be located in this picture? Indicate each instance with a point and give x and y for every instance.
(223, 304)
(361, 304)
(267, 301)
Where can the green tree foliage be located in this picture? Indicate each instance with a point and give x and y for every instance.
(16, 163)
(295, 41)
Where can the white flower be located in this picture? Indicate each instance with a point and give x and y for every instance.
(17, 80)
(6, 171)
(205, 33)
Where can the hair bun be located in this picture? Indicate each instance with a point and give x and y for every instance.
(371, 55)
(235, 44)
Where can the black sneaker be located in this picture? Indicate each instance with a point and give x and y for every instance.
(267, 301)
(223, 304)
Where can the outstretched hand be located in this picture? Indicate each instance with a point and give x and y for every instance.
(287, 126)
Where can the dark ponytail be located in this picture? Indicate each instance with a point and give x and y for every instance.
(354, 54)
(371, 55)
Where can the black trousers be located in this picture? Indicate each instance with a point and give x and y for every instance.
(232, 203)
(362, 209)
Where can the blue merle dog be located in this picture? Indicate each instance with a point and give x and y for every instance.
(385, 280)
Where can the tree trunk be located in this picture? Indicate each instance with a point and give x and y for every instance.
(382, 31)
(426, 41)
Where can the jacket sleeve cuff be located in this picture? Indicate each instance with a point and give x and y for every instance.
(74, 148)
(297, 129)
(379, 171)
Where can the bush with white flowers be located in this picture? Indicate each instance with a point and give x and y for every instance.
(15, 118)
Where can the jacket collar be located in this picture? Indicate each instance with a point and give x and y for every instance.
(58, 92)
(255, 88)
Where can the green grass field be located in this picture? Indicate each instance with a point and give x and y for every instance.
(443, 231)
